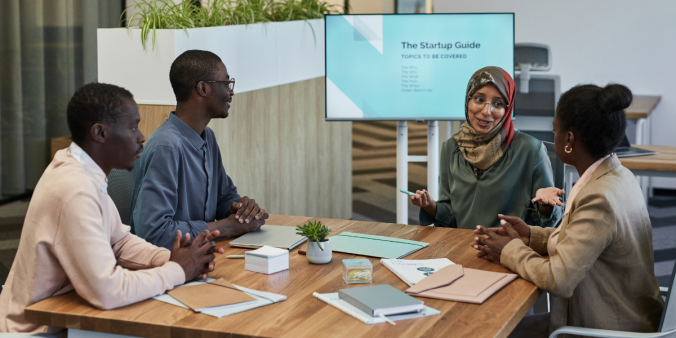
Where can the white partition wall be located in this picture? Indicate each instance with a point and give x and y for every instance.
(258, 56)
(275, 144)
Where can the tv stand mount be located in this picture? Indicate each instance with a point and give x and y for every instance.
(403, 159)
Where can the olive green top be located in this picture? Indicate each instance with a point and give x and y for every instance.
(507, 187)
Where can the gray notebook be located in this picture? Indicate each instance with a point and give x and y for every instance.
(279, 236)
(379, 300)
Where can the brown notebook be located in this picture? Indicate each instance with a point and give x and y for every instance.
(217, 293)
(461, 284)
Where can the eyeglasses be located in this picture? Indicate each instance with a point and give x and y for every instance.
(479, 102)
(230, 83)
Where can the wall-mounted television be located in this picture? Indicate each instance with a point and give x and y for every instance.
(410, 67)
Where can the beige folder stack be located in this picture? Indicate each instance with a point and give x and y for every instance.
(461, 284)
(209, 295)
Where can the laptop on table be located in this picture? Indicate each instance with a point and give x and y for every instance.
(626, 150)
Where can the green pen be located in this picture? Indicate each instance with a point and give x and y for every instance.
(408, 192)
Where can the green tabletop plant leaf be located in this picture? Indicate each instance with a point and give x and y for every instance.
(315, 231)
(152, 15)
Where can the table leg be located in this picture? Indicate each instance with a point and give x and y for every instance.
(642, 181)
(640, 123)
(649, 140)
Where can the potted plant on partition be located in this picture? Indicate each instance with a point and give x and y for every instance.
(263, 43)
(318, 246)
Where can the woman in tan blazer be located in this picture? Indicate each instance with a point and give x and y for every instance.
(598, 264)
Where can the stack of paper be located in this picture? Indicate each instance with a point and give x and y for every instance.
(412, 271)
(262, 299)
(266, 260)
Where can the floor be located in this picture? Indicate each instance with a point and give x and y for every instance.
(374, 191)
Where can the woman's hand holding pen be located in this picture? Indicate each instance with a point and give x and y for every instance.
(423, 200)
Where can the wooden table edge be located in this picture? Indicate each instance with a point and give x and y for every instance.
(52, 317)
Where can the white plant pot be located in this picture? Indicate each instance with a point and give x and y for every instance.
(315, 255)
(258, 56)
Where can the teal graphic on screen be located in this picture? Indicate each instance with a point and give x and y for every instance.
(410, 67)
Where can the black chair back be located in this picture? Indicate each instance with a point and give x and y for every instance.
(121, 190)
(557, 166)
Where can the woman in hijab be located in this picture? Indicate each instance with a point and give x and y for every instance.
(600, 265)
(488, 168)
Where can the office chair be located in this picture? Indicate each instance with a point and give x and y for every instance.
(530, 57)
(537, 94)
(121, 190)
(667, 324)
(557, 165)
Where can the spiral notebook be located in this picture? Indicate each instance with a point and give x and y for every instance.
(374, 246)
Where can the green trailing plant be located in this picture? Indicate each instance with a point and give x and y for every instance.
(165, 14)
(315, 231)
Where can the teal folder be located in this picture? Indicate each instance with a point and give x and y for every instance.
(374, 246)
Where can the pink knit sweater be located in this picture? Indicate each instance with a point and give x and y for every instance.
(73, 238)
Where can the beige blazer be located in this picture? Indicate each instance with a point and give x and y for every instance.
(602, 275)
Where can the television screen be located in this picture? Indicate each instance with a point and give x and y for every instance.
(403, 67)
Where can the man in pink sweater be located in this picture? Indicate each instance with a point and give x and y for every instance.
(72, 237)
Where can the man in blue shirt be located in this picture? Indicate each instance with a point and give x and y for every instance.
(182, 184)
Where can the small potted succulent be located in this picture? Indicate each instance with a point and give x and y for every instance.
(318, 246)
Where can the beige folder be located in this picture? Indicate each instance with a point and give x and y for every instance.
(217, 293)
(461, 284)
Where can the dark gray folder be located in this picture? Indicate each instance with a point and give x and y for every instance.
(283, 237)
(379, 300)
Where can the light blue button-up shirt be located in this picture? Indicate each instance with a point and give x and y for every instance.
(181, 184)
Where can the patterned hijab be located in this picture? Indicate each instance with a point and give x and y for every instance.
(483, 150)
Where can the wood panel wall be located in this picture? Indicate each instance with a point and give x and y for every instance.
(278, 149)
(152, 117)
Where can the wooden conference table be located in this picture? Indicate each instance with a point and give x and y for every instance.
(302, 315)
